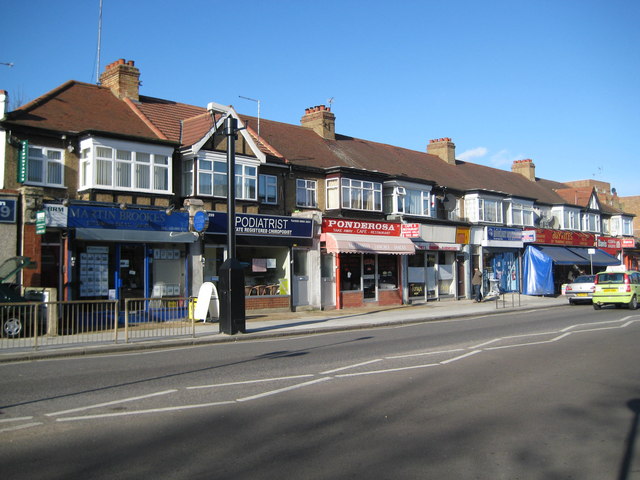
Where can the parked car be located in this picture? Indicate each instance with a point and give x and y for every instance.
(581, 290)
(617, 288)
(16, 315)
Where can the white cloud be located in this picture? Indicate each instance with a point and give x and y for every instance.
(473, 153)
(504, 158)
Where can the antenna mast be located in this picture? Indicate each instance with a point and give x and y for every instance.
(99, 40)
(258, 102)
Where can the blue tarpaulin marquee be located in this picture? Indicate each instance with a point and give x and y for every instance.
(537, 272)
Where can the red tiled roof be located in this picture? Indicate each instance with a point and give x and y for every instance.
(302, 146)
(78, 107)
(167, 115)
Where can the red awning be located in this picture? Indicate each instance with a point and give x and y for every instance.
(347, 243)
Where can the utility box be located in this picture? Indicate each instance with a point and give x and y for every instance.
(231, 292)
(48, 310)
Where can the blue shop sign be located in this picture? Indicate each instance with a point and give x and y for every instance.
(7, 210)
(81, 216)
(262, 225)
(504, 234)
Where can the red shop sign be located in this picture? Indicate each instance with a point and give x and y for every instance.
(564, 237)
(360, 227)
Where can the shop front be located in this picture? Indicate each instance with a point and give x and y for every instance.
(274, 251)
(115, 253)
(554, 257)
(366, 256)
(437, 269)
(501, 250)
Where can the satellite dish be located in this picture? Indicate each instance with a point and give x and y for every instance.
(553, 222)
(449, 203)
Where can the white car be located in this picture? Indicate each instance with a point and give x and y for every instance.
(581, 290)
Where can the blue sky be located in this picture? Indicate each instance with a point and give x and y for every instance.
(555, 81)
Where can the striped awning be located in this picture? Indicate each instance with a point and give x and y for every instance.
(347, 243)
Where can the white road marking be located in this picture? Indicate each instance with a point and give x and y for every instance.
(451, 360)
(247, 382)
(388, 370)
(107, 404)
(16, 419)
(350, 366)
(143, 412)
(530, 343)
(425, 353)
(20, 427)
(280, 390)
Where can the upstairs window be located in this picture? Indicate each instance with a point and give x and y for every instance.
(490, 210)
(212, 179)
(521, 214)
(125, 166)
(45, 167)
(361, 195)
(268, 189)
(246, 182)
(591, 222)
(306, 193)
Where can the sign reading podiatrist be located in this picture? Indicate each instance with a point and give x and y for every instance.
(262, 225)
(360, 227)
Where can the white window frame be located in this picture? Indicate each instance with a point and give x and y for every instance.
(213, 166)
(521, 213)
(332, 188)
(121, 165)
(306, 193)
(268, 189)
(357, 194)
(591, 222)
(50, 166)
(485, 205)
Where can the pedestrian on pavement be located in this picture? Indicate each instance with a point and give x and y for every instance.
(476, 283)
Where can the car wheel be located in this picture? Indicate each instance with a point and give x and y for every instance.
(12, 327)
(633, 304)
(597, 306)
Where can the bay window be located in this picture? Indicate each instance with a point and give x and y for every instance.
(123, 165)
(361, 195)
(489, 210)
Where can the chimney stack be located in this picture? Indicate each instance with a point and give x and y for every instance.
(526, 168)
(320, 120)
(443, 148)
(123, 78)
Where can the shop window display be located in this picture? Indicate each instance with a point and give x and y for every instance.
(265, 271)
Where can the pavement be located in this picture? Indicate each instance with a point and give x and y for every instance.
(263, 325)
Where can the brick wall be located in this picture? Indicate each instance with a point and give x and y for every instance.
(389, 297)
(352, 299)
(267, 302)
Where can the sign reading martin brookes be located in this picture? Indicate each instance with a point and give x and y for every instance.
(81, 216)
(262, 225)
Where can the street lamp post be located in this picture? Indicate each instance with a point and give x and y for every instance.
(232, 315)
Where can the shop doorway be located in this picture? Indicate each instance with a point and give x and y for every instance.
(461, 284)
(300, 291)
(130, 273)
(328, 283)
